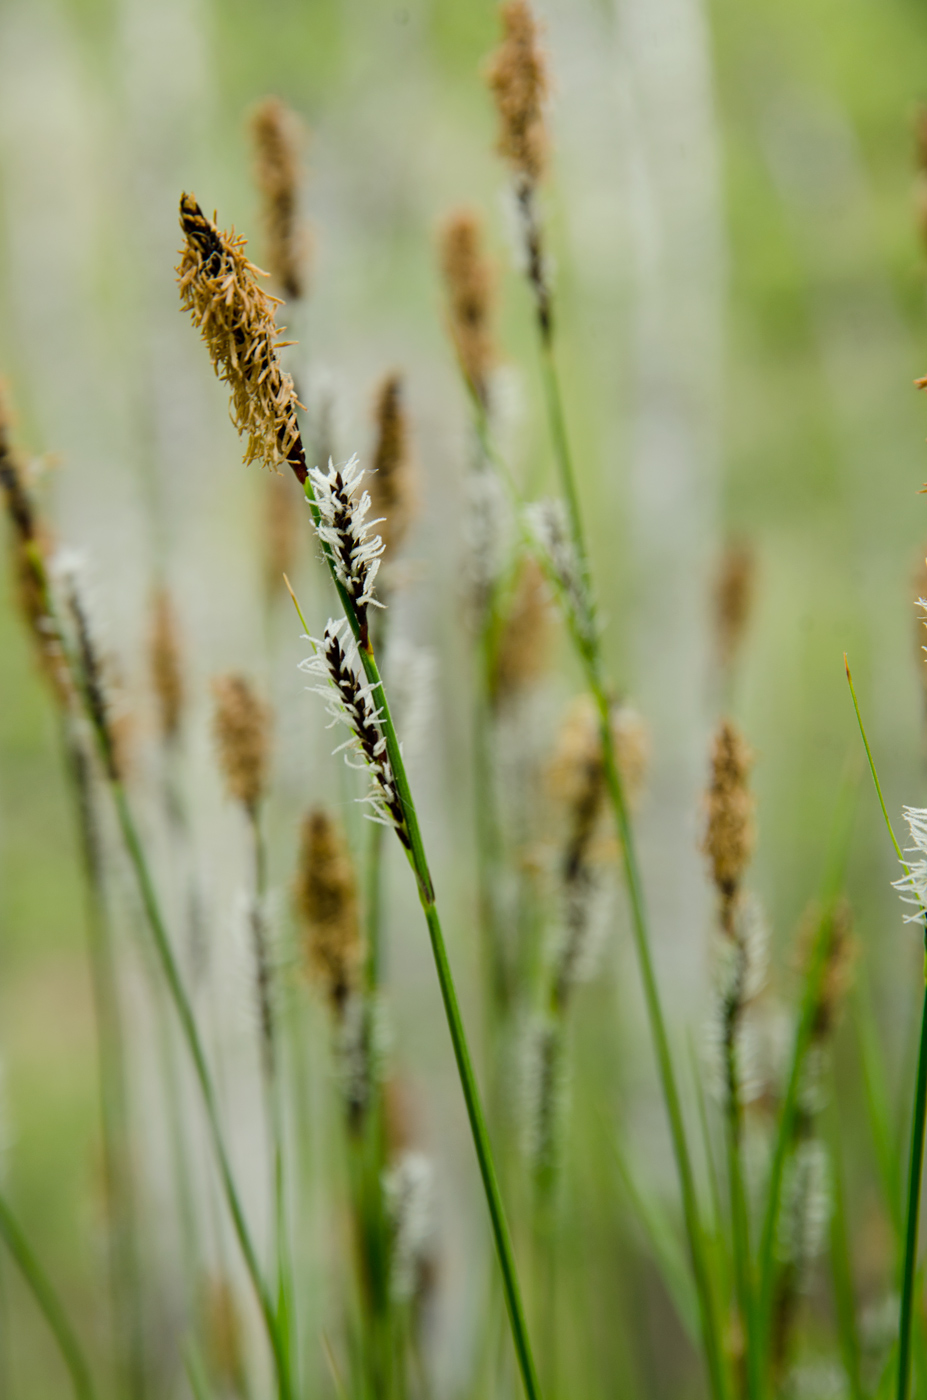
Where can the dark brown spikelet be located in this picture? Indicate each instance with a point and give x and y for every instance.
(242, 731)
(733, 600)
(729, 827)
(523, 646)
(29, 553)
(165, 664)
(219, 287)
(390, 487)
(278, 135)
(469, 283)
(517, 78)
(326, 901)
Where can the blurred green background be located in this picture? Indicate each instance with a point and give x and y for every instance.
(741, 281)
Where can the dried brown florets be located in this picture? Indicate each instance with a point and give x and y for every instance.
(517, 77)
(278, 136)
(729, 829)
(29, 552)
(219, 287)
(390, 487)
(733, 599)
(577, 769)
(326, 899)
(524, 643)
(469, 282)
(165, 664)
(242, 732)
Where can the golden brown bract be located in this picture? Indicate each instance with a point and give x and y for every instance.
(326, 900)
(517, 77)
(390, 486)
(278, 135)
(165, 665)
(729, 828)
(242, 732)
(219, 287)
(469, 283)
(523, 647)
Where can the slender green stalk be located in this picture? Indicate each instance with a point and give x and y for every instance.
(586, 641)
(740, 1234)
(191, 1035)
(842, 1269)
(915, 1173)
(125, 1279)
(48, 1302)
(415, 851)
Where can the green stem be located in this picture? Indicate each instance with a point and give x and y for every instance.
(913, 1212)
(191, 1034)
(48, 1302)
(415, 851)
(841, 1266)
(740, 1226)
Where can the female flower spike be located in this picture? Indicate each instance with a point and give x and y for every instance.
(344, 530)
(350, 702)
(913, 885)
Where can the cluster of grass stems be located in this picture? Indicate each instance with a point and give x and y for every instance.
(733, 1282)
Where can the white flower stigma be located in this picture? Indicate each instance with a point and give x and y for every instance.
(913, 885)
(345, 531)
(548, 525)
(349, 700)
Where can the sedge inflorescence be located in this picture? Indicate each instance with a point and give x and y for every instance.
(276, 133)
(913, 884)
(344, 531)
(350, 701)
(220, 289)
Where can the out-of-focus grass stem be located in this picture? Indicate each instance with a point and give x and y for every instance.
(842, 1268)
(48, 1302)
(916, 1161)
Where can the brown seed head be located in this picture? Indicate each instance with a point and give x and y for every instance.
(733, 599)
(729, 828)
(277, 134)
(326, 900)
(577, 776)
(517, 77)
(839, 964)
(242, 731)
(469, 283)
(219, 287)
(165, 665)
(223, 1334)
(524, 644)
(390, 487)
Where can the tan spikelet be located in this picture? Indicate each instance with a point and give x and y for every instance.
(733, 599)
(241, 725)
(839, 965)
(278, 136)
(517, 77)
(219, 287)
(223, 1334)
(165, 664)
(729, 826)
(577, 772)
(390, 485)
(469, 284)
(523, 647)
(326, 901)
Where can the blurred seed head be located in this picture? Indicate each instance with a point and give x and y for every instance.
(517, 78)
(223, 1334)
(165, 664)
(734, 588)
(219, 287)
(468, 281)
(278, 135)
(241, 726)
(523, 646)
(576, 770)
(729, 827)
(839, 964)
(390, 484)
(326, 899)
